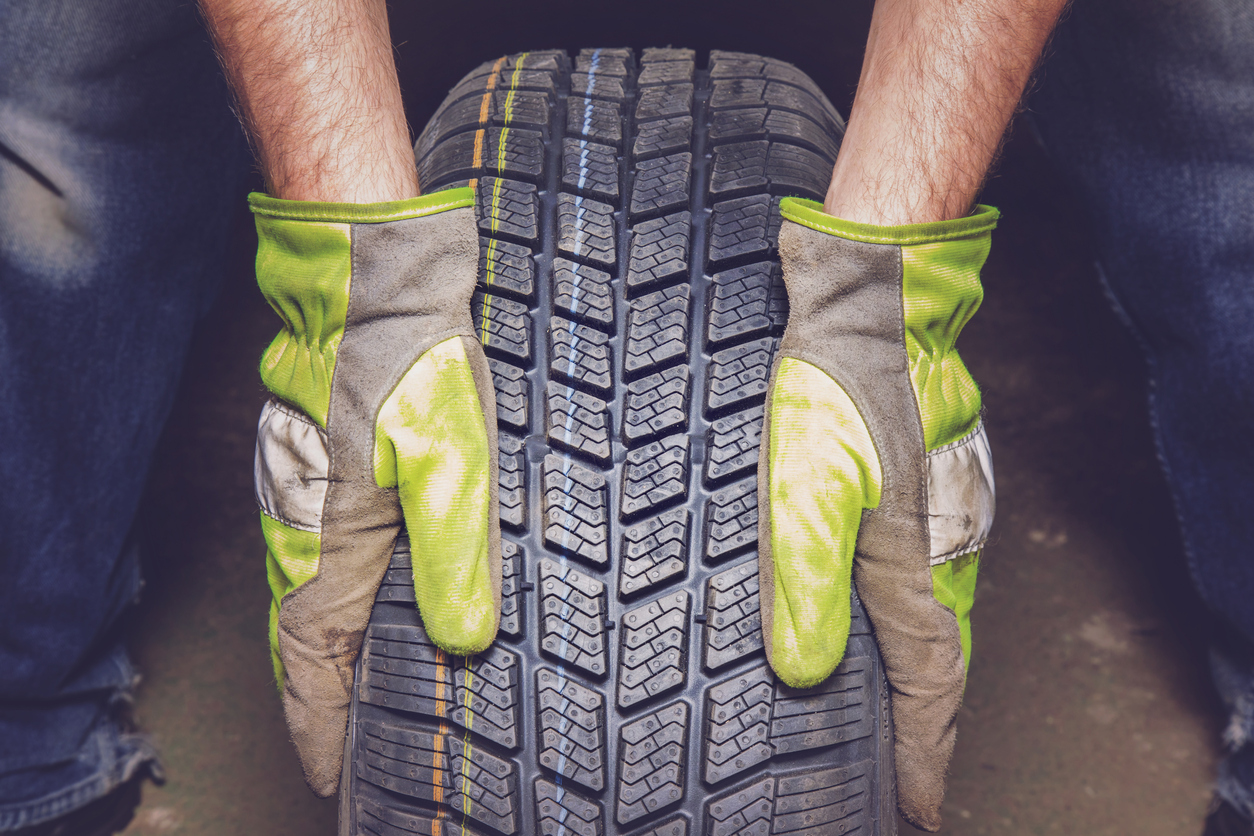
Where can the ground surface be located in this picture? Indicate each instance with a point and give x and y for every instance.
(1088, 708)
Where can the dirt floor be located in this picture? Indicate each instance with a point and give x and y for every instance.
(1088, 709)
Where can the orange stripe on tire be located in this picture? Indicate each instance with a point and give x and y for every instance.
(483, 115)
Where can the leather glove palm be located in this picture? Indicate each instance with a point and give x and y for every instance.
(874, 463)
(383, 415)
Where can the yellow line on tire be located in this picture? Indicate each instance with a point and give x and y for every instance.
(496, 187)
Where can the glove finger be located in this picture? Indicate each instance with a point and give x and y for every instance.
(817, 472)
(437, 444)
(922, 618)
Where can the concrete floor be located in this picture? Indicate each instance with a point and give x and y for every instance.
(1088, 708)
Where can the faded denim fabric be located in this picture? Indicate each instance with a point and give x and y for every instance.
(1147, 106)
(120, 167)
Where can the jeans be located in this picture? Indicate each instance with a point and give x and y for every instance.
(120, 167)
(1147, 107)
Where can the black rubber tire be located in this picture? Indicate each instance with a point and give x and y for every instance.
(630, 305)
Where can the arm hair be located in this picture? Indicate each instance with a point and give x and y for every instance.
(316, 88)
(940, 81)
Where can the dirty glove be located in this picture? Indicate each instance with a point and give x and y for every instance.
(874, 462)
(382, 417)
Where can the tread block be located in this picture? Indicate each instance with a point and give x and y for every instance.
(512, 560)
(590, 169)
(677, 826)
(731, 520)
(578, 421)
(596, 120)
(657, 404)
(655, 475)
(654, 649)
(744, 227)
(402, 669)
(512, 388)
(809, 802)
(440, 768)
(503, 326)
(725, 64)
(522, 156)
(611, 62)
(745, 302)
(398, 819)
(571, 729)
(652, 762)
(528, 110)
(777, 125)
(751, 717)
(657, 329)
(576, 519)
(580, 353)
(739, 167)
(664, 100)
(573, 612)
(586, 229)
(746, 92)
(823, 800)
(665, 72)
(536, 75)
(743, 812)
(507, 208)
(597, 85)
(654, 550)
(733, 617)
(582, 292)
(507, 268)
(740, 373)
(665, 136)
(732, 444)
(661, 185)
(797, 171)
(572, 615)
(654, 54)
(777, 167)
(659, 252)
(564, 812)
(512, 479)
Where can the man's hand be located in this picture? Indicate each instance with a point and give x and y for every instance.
(874, 465)
(384, 414)
(317, 91)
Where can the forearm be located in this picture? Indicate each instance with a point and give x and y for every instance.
(940, 81)
(318, 94)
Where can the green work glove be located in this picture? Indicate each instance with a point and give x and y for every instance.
(874, 464)
(383, 416)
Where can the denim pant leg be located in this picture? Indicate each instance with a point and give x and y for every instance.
(1148, 107)
(120, 165)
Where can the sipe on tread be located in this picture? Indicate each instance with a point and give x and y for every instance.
(630, 304)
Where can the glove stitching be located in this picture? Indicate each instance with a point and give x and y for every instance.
(953, 445)
(290, 523)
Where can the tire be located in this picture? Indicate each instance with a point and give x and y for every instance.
(630, 304)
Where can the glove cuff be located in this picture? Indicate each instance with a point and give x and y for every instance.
(810, 213)
(361, 213)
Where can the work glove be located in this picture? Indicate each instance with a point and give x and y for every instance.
(874, 464)
(382, 416)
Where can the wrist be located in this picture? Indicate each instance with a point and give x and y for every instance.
(264, 205)
(813, 215)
